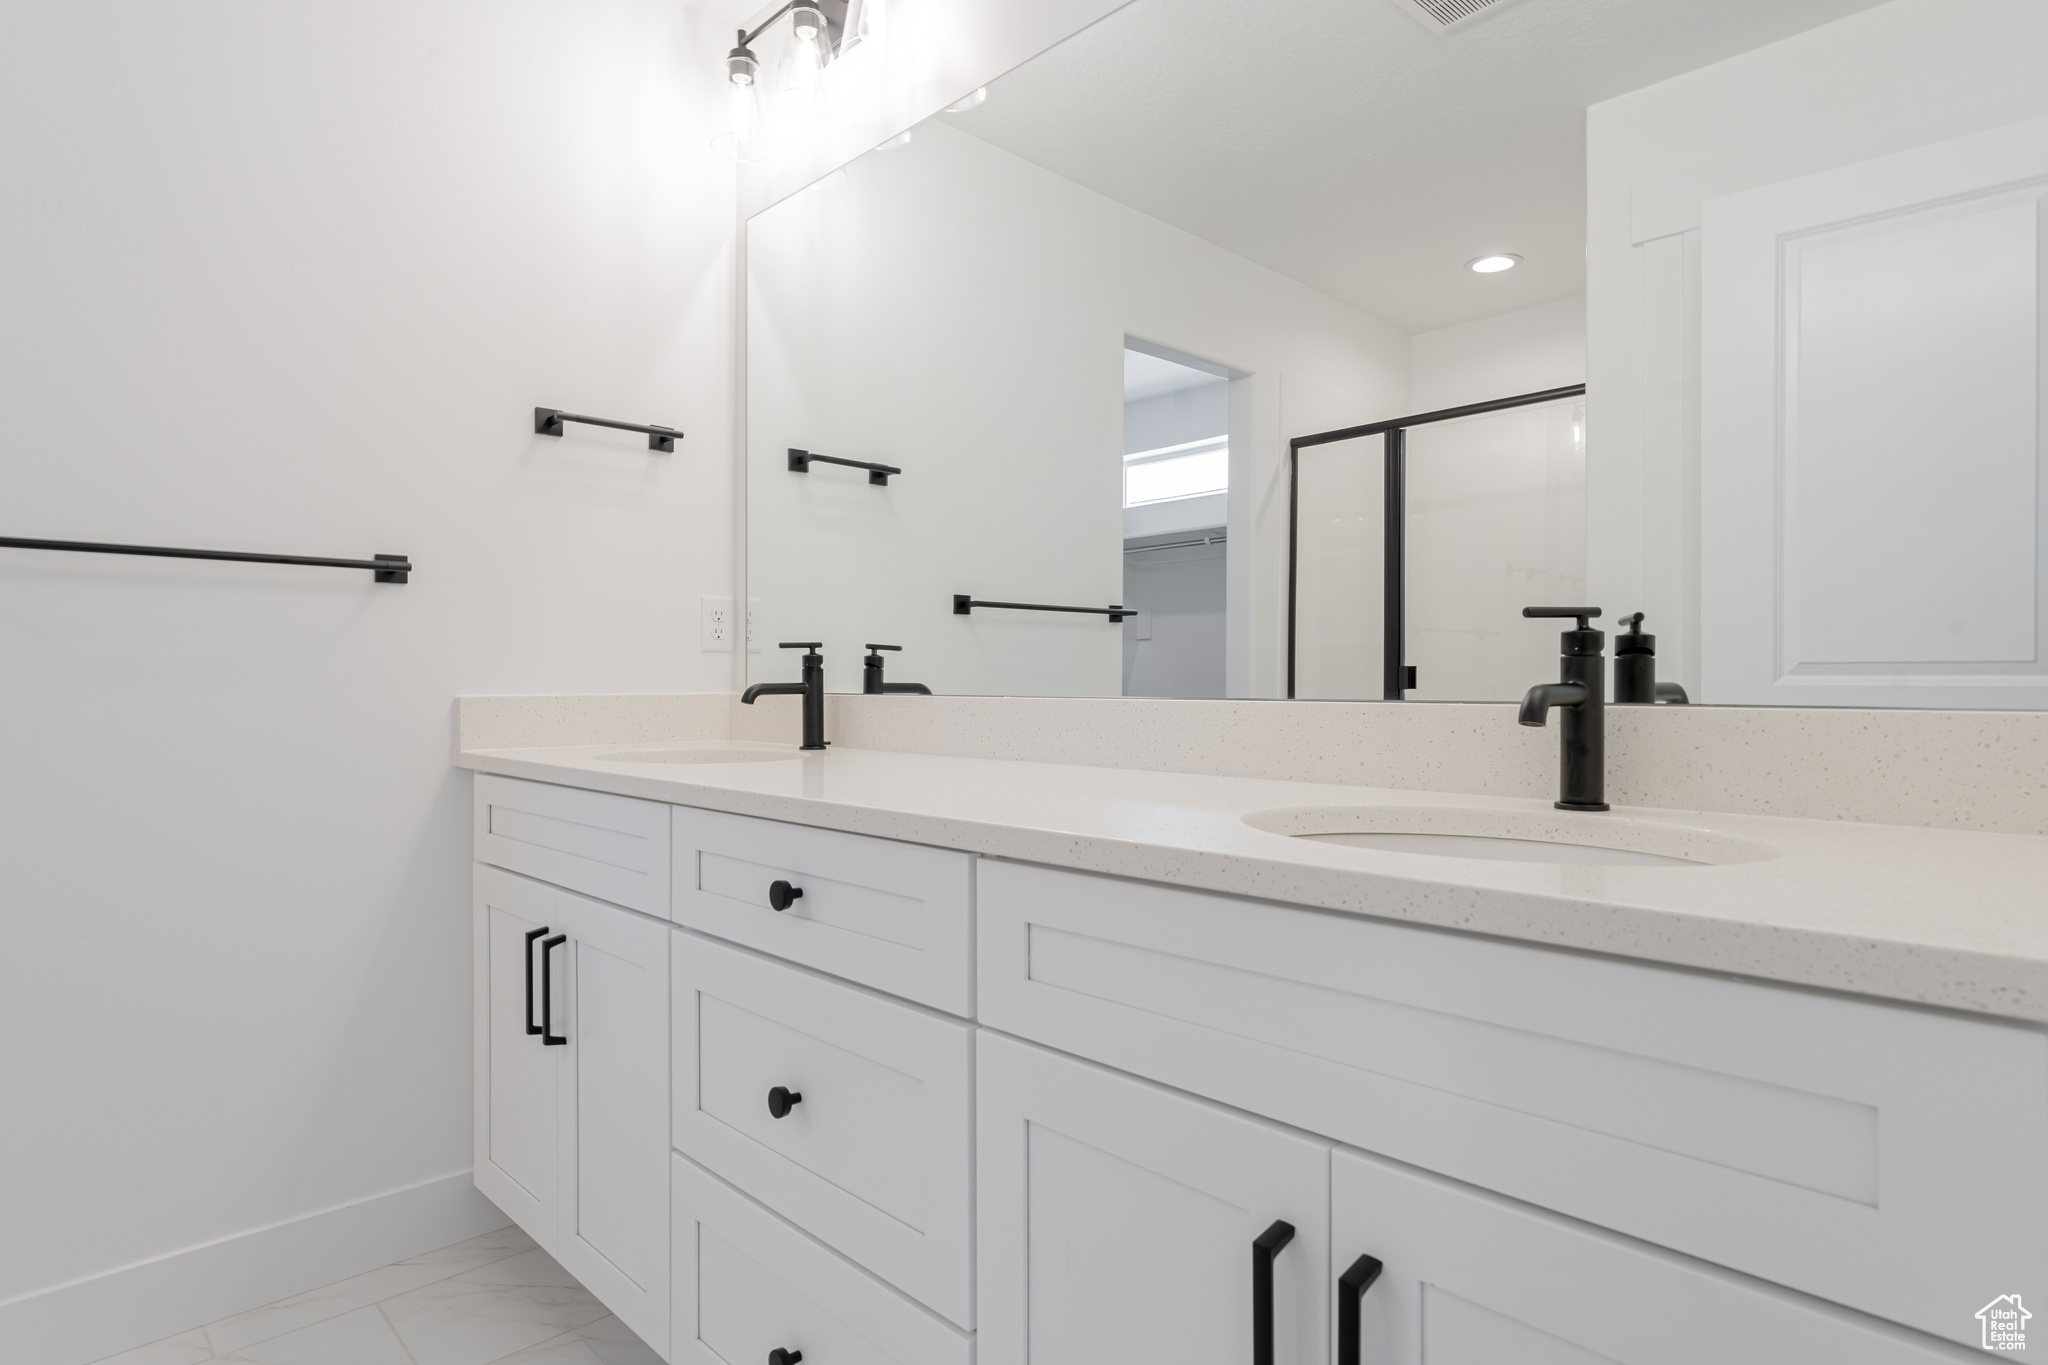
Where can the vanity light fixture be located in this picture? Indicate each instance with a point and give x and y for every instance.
(1494, 264)
(821, 32)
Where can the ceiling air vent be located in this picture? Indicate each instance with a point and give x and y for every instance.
(1440, 15)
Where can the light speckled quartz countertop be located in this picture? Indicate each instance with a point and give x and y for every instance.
(1939, 917)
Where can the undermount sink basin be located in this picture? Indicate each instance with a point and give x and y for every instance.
(686, 754)
(1515, 836)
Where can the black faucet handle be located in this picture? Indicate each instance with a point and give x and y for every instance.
(1585, 614)
(1634, 623)
(897, 648)
(812, 645)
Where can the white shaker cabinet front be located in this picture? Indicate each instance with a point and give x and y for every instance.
(572, 1117)
(1436, 1273)
(1117, 1222)
(517, 1078)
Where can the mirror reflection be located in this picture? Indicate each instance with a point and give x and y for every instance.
(1235, 349)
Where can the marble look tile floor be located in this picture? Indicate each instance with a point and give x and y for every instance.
(494, 1300)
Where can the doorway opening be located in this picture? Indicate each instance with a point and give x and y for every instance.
(1176, 483)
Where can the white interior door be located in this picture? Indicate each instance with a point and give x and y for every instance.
(517, 1079)
(1871, 483)
(611, 1000)
(1117, 1220)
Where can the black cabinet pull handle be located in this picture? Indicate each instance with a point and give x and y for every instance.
(781, 895)
(1351, 1287)
(1265, 1247)
(781, 1100)
(531, 935)
(779, 1356)
(548, 1037)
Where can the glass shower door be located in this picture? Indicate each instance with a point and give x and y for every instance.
(1496, 522)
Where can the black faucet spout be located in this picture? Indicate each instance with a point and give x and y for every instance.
(1581, 692)
(1536, 703)
(871, 682)
(811, 689)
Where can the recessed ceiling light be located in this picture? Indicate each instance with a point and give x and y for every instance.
(1492, 265)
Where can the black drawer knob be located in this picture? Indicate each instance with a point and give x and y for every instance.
(780, 1356)
(781, 894)
(781, 1100)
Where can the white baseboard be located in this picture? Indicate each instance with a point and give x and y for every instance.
(90, 1319)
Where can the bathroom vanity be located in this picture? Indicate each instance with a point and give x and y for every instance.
(881, 1057)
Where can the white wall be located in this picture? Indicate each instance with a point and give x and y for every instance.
(292, 278)
(1170, 419)
(961, 313)
(1526, 351)
(1903, 75)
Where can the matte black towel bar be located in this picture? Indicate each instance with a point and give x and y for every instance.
(800, 462)
(388, 568)
(548, 422)
(963, 605)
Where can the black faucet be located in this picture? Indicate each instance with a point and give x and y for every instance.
(1583, 695)
(811, 689)
(871, 676)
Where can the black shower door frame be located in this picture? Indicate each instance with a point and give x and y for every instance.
(1397, 676)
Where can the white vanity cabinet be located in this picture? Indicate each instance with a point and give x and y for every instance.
(517, 1079)
(1841, 1147)
(894, 916)
(748, 1284)
(1467, 1278)
(571, 1084)
(1121, 1221)
(943, 1108)
(846, 1112)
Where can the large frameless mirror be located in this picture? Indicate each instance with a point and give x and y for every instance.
(1238, 348)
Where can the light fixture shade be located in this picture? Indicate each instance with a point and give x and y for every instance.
(743, 133)
(876, 26)
(806, 53)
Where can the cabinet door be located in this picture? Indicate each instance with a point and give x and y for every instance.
(1117, 1222)
(611, 1001)
(1472, 1279)
(517, 1079)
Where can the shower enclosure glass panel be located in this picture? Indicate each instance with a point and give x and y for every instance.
(1496, 522)
(1341, 566)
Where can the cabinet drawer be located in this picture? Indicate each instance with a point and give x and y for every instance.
(876, 1157)
(1470, 1279)
(898, 917)
(747, 1283)
(610, 847)
(1843, 1147)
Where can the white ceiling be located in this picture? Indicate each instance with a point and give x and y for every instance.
(1343, 144)
(1147, 376)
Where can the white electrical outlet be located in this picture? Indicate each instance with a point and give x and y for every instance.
(716, 625)
(753, 612)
